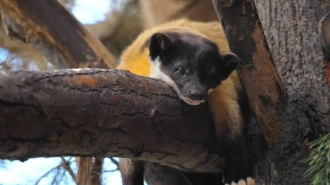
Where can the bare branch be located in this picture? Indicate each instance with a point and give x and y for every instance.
(110, 171)
(106, 29)
(65, 43)
(66, 165)
(114, 162)
(47, 173)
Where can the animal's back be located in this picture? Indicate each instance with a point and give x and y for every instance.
(135, 57)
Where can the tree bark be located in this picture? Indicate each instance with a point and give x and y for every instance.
(291, 31)
(289, 26)
(55, 32)
(89, 170)
(103, 113)
(84, 165)
(247, 40)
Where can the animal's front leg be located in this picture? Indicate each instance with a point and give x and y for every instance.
(238, 166)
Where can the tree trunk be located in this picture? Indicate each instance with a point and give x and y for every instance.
(84, 165)
(267, 97)
(291, 29)
(89, 170)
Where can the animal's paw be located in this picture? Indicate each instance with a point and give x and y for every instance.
(237, 174)
(247, 181)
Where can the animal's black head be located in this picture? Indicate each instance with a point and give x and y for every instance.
(190, 63)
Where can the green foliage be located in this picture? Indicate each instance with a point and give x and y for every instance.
(319, 161)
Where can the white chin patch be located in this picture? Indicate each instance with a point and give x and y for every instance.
(158, 74)
(192, 102)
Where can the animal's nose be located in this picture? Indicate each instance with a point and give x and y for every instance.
(195, 94)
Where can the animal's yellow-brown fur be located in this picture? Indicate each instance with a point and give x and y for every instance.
(223, 100)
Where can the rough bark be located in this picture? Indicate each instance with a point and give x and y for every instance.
(291, 29)
(103, 113)
(267, 97)
(55, 32)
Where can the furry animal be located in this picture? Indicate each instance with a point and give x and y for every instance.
(195, 60)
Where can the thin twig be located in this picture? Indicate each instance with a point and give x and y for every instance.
(47, 173)
(114, 162)
(109, 171)
(66, 165)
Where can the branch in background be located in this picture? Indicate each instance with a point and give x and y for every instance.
(257, 72)
(84, 170)
(106, 29)
(96, 113)
(114, 162)
(55, 32)
(47, 173)
(20, 50)
(110, 171)
(97, 171)
(66, 165)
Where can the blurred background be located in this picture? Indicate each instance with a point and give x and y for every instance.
(116, 23)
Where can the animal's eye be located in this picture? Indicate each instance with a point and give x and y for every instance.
(210, 71)
(180, 71)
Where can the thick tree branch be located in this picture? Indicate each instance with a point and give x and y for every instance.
(103, 113)
(55, 32)
(257, 71)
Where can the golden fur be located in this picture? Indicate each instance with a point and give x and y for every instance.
(223, 100)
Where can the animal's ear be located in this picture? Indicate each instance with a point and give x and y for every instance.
(160, 43)
(230, 62)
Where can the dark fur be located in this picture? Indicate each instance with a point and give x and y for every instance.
(195, 65)
(203, 67)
